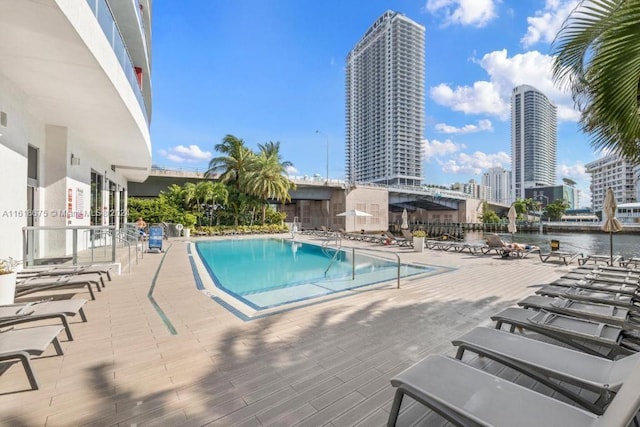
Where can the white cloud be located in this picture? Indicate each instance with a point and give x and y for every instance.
(546, 23)
(476, 13)
(483, 125)
(493, 97)
(575, 172)
(436, 148)
(183, 154)
(475, 163)
(291, 170)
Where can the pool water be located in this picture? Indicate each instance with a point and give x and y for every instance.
(264, 273)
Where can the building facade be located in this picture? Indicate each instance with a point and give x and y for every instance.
(534, 134)
(611, 171)
(385, 103)
(75, 108)
(473, 189)
(498, 183)
(546, 195)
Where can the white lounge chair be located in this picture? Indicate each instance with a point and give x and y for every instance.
(21, 344)
(15, 314)
(38, 284)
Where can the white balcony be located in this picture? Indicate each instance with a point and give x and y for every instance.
(56, 53)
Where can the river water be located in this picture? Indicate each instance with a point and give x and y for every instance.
(625, 245)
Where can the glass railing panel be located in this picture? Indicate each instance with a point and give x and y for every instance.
(103, 14)
(71, 245)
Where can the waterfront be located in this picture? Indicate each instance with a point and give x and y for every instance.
(625, 245)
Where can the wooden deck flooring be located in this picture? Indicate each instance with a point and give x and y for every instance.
(324, 364)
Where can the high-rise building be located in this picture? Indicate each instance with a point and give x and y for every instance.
(498, 182)
(534, 135)
(75, 109)
(611, 171)
(385, 103)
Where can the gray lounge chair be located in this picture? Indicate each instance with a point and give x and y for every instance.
(599, 339)
(468, 396)
(611, 272)
(38, 284)
(39, 310)
(21, 344)
(559, 368)
(596, 285)
(612, 314)
(581, 294)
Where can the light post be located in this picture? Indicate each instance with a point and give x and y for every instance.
(327, 139)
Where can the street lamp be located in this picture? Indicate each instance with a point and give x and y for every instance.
(327, 139)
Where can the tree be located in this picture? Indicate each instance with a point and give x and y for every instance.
(265, 176)
(489, 216)
(597, 58)
(556, 209)
(233, 163)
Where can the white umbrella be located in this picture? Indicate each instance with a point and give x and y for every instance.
(405, 217)
(512, 215)
(354, 213)
(611, 224)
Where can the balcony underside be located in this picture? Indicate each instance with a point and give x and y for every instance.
(65, 84)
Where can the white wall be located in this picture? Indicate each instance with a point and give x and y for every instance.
(56, 176)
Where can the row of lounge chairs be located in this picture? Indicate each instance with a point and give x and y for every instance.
(19, 339)
(584, 353)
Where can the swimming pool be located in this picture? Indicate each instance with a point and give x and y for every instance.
(266, 273)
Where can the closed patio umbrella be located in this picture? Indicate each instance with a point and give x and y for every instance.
(405, 220)
(512, 215)
(611, 224)
(354, 213)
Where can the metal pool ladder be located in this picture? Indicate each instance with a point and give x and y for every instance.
(335, 254)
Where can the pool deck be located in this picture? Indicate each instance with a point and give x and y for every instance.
(323, 364)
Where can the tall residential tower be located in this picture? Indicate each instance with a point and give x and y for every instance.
(534, 128)
(385, 103)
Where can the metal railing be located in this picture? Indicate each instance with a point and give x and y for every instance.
(76, 245)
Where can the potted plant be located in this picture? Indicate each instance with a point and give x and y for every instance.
(8, 280)
(418, 240)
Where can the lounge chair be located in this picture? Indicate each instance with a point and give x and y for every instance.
(394, 240)
(102, 270)
(611, 314)
(468, 396)
(38, 284)
(619, 288)
(495, 244)
(21, 344)
(599, 339)
(549, 364)
(581, 294)
(39, 310)
(604, 276)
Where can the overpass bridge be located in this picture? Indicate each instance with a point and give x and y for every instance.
(319, 189)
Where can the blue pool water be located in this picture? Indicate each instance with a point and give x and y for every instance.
(269, 272)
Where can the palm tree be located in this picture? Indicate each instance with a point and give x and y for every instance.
(266, 176)
(232, 164)
(273, 149)
(598, 59)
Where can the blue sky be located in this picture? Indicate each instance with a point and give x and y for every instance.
(274, 71)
